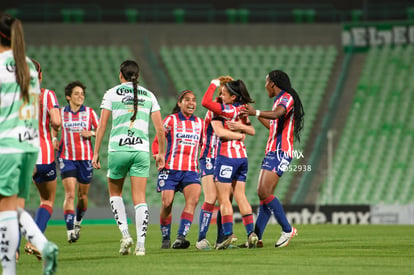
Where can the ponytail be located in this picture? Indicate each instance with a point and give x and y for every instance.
(11, 31)
(130, 71)
(134, 81)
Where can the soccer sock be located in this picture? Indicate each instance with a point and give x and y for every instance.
(43, 214)
(80, 213)
(220, 234)
(141, 223)
(273, 203)
(262, 219)
(9, 238)
(30, 230)
(69, 218)
(165, 226)
(205, 218)
(248, 223)
(227, 222)
(185, 224)
(118, 209)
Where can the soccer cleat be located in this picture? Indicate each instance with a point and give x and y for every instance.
(77, 231)
(233, 240)
(252, 240)
(139, 251)
(50, 253)
(225, 243)
(204, 244)
(71, 236)
(286, 237)
(259, 244)
(29, 249)
(180, 243)
(165, 244)
(126, 243)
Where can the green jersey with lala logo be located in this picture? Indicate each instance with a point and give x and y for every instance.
(19, 129)
(126, 135)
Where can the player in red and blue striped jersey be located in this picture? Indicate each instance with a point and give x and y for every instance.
(183, 131)
(231, 162)
(75, 155)
(45, 172)
(285, 121)
(207, 159)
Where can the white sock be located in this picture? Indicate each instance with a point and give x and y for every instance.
(30, 230)
(141, 223)
(118, 209)
(9, 239)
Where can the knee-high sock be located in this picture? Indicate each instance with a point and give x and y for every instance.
(30, 230)
(165, 226)
(118, 209)
(262, 219)
(277, 208)
(185, 224)
(9, 238)
(205, 218)
(43, 214)
(248, 223)
(141, 223)
(69, 218)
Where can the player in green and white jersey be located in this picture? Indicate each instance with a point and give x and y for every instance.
(131, 107)
(19, 143)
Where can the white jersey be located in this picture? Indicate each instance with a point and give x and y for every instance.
(127, 136)
(19, 129)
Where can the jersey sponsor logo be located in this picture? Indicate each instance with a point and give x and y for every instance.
(187, 136)
(124, 91)
(129, 100)
(186, 142)
(29, 134)
(130, 141)
(75, 124)
(226, 171)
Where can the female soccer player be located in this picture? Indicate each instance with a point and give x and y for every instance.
(128, 149)
(45, 172)
(231, 162)
(19, 142)
(183, 131)
(78, 124)
(284, 121)
(207, 159)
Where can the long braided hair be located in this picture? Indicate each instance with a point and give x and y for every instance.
(130, 71)
(281, 80)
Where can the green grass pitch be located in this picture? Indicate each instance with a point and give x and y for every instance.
(318, 249)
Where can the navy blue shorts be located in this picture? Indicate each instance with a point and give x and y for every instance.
(277, 162)
(176, 180)
(45, 172)
(82, 170)
(230, 169)
(206, 166)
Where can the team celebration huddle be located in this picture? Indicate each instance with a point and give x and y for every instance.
(192, 155)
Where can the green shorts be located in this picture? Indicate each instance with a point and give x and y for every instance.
(16, 172)
(120, 163)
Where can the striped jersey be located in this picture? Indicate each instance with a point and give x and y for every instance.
(183, 137)
(231, 148)
(210, 140)
(19, 129)
(47, 101)
(125, 135)
(72, 145)
(281, 129)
